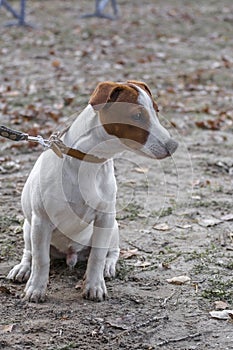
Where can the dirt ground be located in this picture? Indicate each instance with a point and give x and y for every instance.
(175, 215)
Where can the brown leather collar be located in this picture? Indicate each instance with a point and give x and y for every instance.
(84, 156)
(60, 148)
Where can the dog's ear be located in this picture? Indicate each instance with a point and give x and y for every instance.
(145, 87)
(141, 84)
(104, 94)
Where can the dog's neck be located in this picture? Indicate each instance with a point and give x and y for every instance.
(88, 135)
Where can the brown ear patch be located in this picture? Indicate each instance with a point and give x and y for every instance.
(141, 84)
(109, 92)
(101, 94)
(146, 88)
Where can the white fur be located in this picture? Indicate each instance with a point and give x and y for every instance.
(70, 204)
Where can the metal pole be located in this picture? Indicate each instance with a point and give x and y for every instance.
(22, 13)
(99, 8)
(9, 8)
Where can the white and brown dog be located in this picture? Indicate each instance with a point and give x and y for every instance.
(69, 204)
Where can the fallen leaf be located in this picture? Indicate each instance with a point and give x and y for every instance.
(7, 328)
(222, 315)
(130, 183)
(117, 325)
(4, 290)
(30, 112)
(227, 217)
(141, 170)
(11, 93)
(220, 305)
(222, 165)
(32, 89)
(197, 198)
(56, 63)
(17, 229)
(127, 254)
(179, 280)
(210, 124)
(215, 65)
(9, 167)
(141, 215)
(122, 322)
(209, 222)
(227, 61)
(68, 98)
(58, 105)
(3, 108)
(184, 226)
(143, 264)
(201, 183)
(162, 227)
(52, 113)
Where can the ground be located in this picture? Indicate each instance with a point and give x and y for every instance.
(175, 215)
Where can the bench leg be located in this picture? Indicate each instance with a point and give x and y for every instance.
(99, 8)
(19, 15)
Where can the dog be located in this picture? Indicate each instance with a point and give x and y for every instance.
(69, 204)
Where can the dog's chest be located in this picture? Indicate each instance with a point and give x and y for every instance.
(89, 185)
(76, 193)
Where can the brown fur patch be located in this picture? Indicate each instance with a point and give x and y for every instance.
(120, 118)
(118, 108)
(146, 88)
(101, 94)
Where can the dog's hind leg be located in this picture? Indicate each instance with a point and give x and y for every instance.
(41, 232)
(21, 272)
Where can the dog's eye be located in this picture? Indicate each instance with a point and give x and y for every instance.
(137, 117)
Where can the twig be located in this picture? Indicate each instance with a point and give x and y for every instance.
(189, 336)
(177, 298)
(139, 248)
(139, 325)
(168, 298)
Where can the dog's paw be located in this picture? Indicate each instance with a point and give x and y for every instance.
(35, 295)
(20, 273)
(95, 290)
(110, 268)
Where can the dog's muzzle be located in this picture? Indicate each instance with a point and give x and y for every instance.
(171, 146)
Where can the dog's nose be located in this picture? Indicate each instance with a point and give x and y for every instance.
(171, 146)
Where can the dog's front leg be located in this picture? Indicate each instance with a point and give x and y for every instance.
(41, 230)
(94, 284)
(21, 272)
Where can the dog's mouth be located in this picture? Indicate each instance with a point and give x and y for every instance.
(157, 150)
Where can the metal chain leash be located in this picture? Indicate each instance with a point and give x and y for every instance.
(54, 142)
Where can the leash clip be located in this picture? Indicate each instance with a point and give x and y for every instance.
(40, 140)
(54, 143)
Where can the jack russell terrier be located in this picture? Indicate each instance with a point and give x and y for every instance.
(69, 204)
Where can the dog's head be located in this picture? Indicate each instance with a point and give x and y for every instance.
(129, 112)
